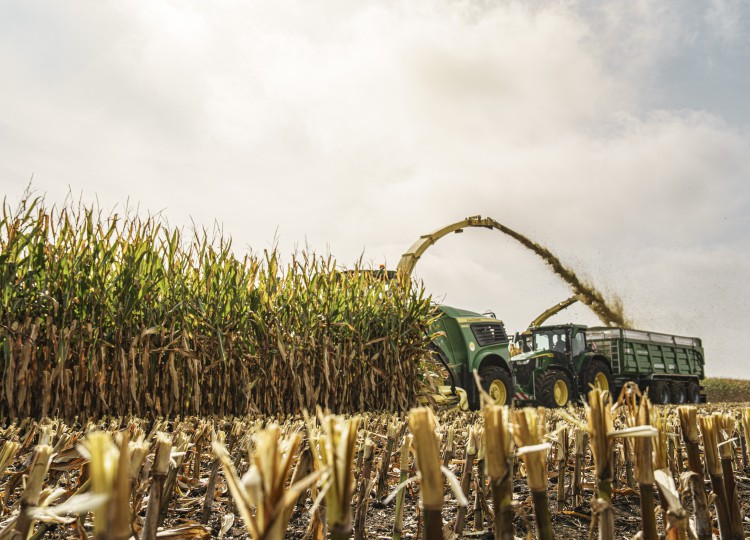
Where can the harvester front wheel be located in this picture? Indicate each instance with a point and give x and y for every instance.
(497, 383)
(553, 388)
(598, 375)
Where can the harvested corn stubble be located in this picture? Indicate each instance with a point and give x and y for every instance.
(528, 431)
(158, 477)
(423, 428)
(498, 458)
(333, 447)
(600, 428)
(691, 439)
(67, 505)
(724, 426)
(263, 499)
(638, 416)
(398, 520)
(713, 466)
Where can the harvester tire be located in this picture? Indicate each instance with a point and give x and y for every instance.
(693, 392)
(658, 392)
(677, 393)
(497, 383)
(598, 374)
(553, 388)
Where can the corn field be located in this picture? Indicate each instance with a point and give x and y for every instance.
(152, 382)
(609, 470)
(119, 314)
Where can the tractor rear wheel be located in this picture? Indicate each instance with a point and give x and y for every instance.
(677, 393)
(599, 375)
(497, 383)
(553, 388)
(658, 392)
(693, 392)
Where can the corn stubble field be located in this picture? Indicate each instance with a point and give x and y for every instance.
(152, 387)
(496, 473)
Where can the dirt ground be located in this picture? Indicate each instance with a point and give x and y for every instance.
(185, 508)
(568, 521)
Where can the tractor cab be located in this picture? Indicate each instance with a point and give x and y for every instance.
(562, 342)
(568, 340)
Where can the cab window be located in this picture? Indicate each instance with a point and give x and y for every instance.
(541, 342)
(578, 344)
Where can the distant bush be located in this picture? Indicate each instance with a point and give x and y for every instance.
(718, 390)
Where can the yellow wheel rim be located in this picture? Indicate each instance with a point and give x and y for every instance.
(560, 393)
(601, 381)
(498, 393)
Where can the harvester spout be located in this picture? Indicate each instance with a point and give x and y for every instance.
(554, 310)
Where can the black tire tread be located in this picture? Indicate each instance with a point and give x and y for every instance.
(545, 387)
(487, 374)
(677, 393)
(693, 392)
(596, 366)
(658, 392)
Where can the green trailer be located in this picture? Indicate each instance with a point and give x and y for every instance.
(560, 363)
(672, 366)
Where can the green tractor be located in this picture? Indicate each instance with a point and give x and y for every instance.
(556, 365)
(561, 363)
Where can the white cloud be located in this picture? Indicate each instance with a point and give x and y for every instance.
(358, 127)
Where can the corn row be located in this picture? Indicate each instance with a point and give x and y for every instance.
(120, 314)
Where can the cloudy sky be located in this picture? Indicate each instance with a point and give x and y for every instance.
(615, 133)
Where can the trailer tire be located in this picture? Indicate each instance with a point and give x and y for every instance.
(598, 374)
(677, 393)
(693, 393)
(497, 383)
(554, 388)
(658, 392)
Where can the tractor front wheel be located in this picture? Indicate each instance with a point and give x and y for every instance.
(553, 388)
(497, 383)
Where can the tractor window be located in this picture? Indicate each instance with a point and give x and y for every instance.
(578, 344)
(560, 341)
(552, 340)
(525, 343)
(541, 342)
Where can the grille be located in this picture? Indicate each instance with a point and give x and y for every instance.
(524, 372)
(489, 333)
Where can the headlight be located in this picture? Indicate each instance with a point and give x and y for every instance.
(522, 362)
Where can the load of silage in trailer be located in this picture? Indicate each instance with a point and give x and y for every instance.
(107, 314)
